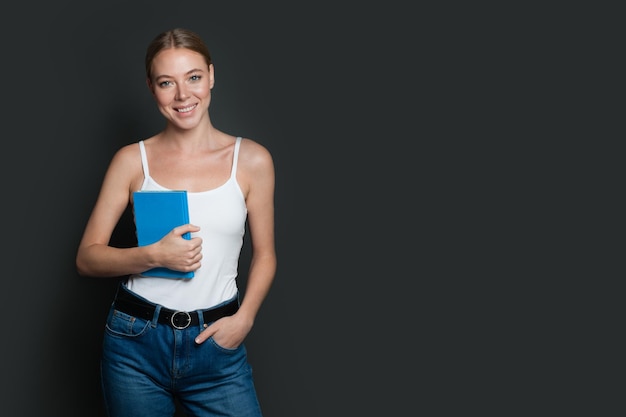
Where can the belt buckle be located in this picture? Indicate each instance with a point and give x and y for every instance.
(174, 321)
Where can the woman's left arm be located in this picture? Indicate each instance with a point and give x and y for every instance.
(257, 179)
(260, 203)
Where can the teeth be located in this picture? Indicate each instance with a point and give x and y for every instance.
(186, 109)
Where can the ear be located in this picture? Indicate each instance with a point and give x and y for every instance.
(211, 76)
(150, 86)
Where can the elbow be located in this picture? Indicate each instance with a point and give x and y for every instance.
(81, 266)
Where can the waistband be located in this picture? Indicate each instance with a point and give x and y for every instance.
(129, 303)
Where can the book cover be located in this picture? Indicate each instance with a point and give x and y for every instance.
(156, 213)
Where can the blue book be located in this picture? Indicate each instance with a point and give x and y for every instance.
(156, 213)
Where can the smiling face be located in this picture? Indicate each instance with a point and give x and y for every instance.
(181, 83)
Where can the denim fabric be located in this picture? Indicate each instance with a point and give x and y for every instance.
(145, 365)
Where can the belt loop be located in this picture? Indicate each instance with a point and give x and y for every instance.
(117, 293)
(200, 319)
(155, 316)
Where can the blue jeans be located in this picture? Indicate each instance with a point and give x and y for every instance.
(146, 365)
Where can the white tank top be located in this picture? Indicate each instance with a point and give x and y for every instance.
(221, 214)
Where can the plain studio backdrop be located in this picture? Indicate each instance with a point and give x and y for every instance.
(341, 94)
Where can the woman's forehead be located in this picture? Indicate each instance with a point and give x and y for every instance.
(177, 60)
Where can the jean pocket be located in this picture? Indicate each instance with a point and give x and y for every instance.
(122, 324)
(222, 348)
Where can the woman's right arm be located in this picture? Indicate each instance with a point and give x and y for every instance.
(96, 258)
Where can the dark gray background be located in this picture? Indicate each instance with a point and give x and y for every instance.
(353, 101)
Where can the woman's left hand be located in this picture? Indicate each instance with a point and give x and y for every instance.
(228, 332)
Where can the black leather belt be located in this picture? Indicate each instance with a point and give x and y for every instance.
(134, 306)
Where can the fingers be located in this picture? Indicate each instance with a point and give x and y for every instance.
(180, 253)
(204, 335)
(186, 228)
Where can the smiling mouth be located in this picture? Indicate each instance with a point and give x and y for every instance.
(186, 109)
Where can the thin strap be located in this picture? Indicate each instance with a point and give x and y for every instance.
(233, 171)
(144, 159)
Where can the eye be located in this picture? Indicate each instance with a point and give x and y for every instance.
(163, 84)
(195, 77)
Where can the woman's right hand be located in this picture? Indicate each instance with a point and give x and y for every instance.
(177, 253)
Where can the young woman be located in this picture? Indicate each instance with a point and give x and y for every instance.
(182, 339)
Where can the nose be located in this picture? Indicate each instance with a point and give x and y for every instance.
(182, 93)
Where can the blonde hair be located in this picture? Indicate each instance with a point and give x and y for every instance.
(175, 38)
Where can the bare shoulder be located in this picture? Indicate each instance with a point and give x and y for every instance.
(255, 169)
(125, 166)
(254, 156)
(127, 156)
